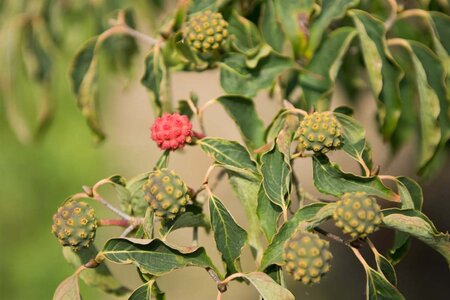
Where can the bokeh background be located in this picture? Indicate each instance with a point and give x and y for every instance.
(36, 178)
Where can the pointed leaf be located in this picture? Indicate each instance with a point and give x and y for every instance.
(379, 288)
(268, 214)
(267, 287)
(245, 36)
(144, 292)
(329, 179)
(229, 236)
(354, 136)
(68, 289)
(242, 111)
(192, 217)
(270, 26)
(154, 257)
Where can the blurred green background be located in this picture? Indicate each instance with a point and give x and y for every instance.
(36, 178)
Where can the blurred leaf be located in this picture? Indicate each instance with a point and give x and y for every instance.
(418, 225)
(245, 35)
(313, 213)
(330, 180)
(201, 5)
(132, 202)
(330, 11)
(267, 287)
(229, 154)
(68, 289)
(192, 217)
(268, 214)
(154, 80)
(242, 111)
(294, 19)
(100, 277)
(384, 73)
(154, 257)
(276, 173)
(235, 78)
(319, 81)
(144, 292)
(229, 236)
(378, 287)
(270, 26)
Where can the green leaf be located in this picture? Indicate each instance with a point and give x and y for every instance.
(229, 154)
(270, 26)
(245, 35)
(318, 83)
(229, 236)
(83, 75)
(99, 277)
(192, 217)
(384, 73)
(242, 111)
(276, 173)
(237, 79)
(378, 287)
(385, 267)
(201, 5)
(154, 257)
(330, 180)
(354, 136)
(267, 287)
(132, 202)
(268, 214)
(154, 80)
(294, 19)
(330, 11)
(310, 216)
(68, 289)
(144, 292)
(418, 225)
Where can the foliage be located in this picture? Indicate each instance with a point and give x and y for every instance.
(299, 51)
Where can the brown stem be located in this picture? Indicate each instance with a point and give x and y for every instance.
(114, 222)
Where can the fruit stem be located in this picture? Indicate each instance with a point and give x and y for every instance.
(114, 222)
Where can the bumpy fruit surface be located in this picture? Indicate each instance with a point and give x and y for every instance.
(74, 224)
(166, 193)
(357, 214)
(307, 257)
(320, 132)
(206, 31)
(171, 131)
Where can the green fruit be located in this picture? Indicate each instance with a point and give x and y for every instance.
(307, 257)
(166, 193)
(206, 31)
(357, 214)
(74, 224)
(320, 132)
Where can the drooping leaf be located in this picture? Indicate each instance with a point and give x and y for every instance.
(237, 79)
(318, 83)
(270, 26)
(68, 289)
(245, 189)
(276, 173)
(242, 111)
(385, 267)
(267, 287)
(154, 80)
(230, 155)
(330, 11)
(310, 216)
(99, 277)
(154, 257)
(192, 217)
(245, 35)
(294, 19)
(354, 136)
(384, 73)
(329, 179)
(229, 236)
(378, 287)
(268, 214)
(418, 225)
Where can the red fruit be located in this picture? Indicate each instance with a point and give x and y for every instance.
(172, 131)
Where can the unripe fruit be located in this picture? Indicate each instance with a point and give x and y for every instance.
(171, 131)
(206, 31)
(357, 214)
(320, 132)
(166, 193)
(307, 257)
(74, 224)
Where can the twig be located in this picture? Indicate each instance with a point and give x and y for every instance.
(128, 230)
(298, 111)
(114, 222)
(195, 236)
(391, 19)
(112, 208)
(363, 164)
